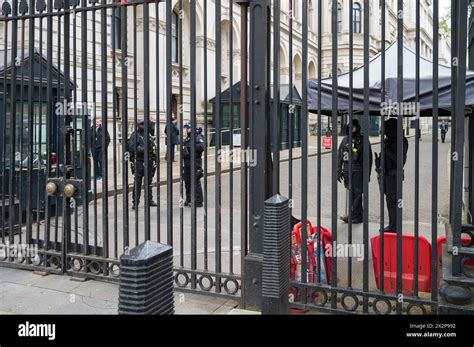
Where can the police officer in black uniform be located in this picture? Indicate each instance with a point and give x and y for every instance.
(199, 149)
(355, 154)
(389, 172)
(136, 148)
(444, 130)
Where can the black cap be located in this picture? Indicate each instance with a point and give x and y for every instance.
(141, 122)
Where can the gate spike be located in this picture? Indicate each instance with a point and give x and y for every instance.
(40, 6)
(23, 8)
(6, 9)
(58, 4)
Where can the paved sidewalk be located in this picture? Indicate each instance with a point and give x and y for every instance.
(25, 292)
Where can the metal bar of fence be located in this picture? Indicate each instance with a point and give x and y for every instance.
(137, 183)
(67, 159)
(179, 56)
(231, 110)
(435, 167)
(206, 130)
(349, 136)
(148, 165)
(304, 153)
(290, 109)
(41, 168)
(57, 129)
(29, 196)
(49, 96)
(334, 153)
(382, 149)
(104, 109)
(169, 105)
(19, 153)
(276, 98)
(417, 148)
(157, 122)
(11, 177)
(218, 143)
(115, 29)
(3, 178)
(124, 63)
(193, 143)
(94, 131)
(400, 23)
(74, 124)
(367, 156)
(319, 170)
(85, 143)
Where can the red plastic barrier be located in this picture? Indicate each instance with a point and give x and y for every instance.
(408, 261)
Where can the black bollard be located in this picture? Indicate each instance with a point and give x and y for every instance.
(276, 256)
(146, 280)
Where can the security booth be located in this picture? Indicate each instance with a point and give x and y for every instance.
(290, 104)
(45, 137)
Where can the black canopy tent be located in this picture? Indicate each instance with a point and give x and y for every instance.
(391, 83)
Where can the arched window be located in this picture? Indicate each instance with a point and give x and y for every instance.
(174, 37)
(356, 18)
(295, 9)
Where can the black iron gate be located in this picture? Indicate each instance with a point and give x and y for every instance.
(80, 78)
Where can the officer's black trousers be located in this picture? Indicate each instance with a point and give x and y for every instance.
(357, 190)
(137, 186)
(391, 198)
(187, 184)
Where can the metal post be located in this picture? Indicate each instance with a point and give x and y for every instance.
(458, 154)
(244, 140)
(260, 174)
(67, 209)
(471, 124)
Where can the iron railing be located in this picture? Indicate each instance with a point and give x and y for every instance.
(70, 64)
